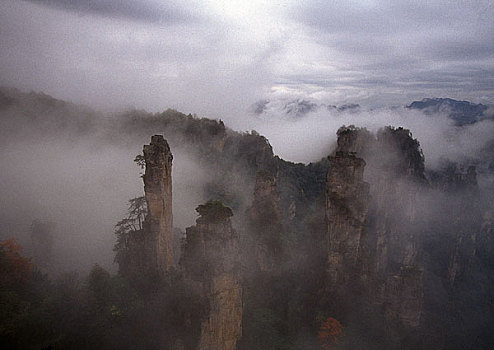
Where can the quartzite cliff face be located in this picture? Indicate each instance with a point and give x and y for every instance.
(264, 222)
(398, 178)
(210, 252)
(372, 241)
(347, 200)
(210, 260)
(158, 191)
(466, 218)
(371, 229)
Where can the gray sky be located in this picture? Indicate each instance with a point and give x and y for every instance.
(216, 58)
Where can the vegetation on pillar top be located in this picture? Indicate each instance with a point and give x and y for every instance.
(157, 148)
(214, 212)
(158, 140)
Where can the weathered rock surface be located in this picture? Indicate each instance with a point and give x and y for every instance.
(404, 294)
(400, 173)
(467, 219)
(223, 327)
(347, 197)
(158, 193)
(210, 259)
(265, 221)
(373, 225)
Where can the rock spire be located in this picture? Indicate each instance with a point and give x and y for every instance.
(158, 193)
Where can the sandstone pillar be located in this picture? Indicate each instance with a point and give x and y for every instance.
(210, 259)
(158, 192)
(347, 197)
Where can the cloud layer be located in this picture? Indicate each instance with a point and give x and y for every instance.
(141, 11)
(216, 57)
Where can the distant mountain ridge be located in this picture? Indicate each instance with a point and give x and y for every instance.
(299, 107)
(462, 112)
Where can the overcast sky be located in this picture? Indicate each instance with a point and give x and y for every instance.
(216, 57)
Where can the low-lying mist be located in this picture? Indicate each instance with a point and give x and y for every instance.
(311, 136)
(81, 184)
(80, 179)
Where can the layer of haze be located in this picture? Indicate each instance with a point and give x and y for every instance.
(82, 181)
(310, 137)
(216, 58)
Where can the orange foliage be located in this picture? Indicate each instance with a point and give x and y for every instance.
(329, 332)
(20, 266)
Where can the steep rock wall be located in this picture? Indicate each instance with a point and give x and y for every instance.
(467, 220)
(403, 297)
(158, 193)
(347, 197)
(399, 175)
(210, 259)
(394, 167)
(264, 218)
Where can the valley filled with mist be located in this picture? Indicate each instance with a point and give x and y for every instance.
(246, 175)
(299, 226)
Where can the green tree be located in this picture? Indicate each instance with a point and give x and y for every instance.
(214, 211)
(127, 229)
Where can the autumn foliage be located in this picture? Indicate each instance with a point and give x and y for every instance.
(19, 267)
(329, 333)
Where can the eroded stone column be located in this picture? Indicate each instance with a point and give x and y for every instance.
(210, 259)
(265, 222)
(347, 197)
(158, 191)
